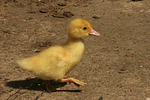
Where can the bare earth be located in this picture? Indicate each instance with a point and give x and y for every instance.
(115, 66)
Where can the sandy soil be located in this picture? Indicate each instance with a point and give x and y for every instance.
(115, 66)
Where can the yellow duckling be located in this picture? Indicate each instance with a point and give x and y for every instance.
(55, 62)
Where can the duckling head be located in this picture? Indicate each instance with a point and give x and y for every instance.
(80, 27)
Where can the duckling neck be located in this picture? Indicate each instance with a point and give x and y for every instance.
(74, 40)
(75, 45)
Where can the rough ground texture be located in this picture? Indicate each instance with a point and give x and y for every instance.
(115, 66)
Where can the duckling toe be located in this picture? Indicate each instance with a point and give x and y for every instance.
(73, 80)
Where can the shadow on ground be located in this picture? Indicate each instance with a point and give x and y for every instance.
(37, 84)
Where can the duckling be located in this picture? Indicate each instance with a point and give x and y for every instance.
(55, 62)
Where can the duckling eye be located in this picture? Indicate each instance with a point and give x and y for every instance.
(84, 28)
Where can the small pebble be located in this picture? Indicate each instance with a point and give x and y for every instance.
(82, 15)
(96, 17)
(62, 4)
(36, 50)
(39, 84)
(43, 10)
(68, 14)
(58, 15)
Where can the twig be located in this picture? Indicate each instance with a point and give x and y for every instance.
(39, 96)
(71, 4)
(18, 91)
(54, 8)
(14, 94)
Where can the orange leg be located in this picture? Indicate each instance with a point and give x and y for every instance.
(73, 80)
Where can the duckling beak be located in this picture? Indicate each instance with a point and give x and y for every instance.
(94, 33)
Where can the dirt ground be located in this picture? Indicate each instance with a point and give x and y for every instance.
(115, 66)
